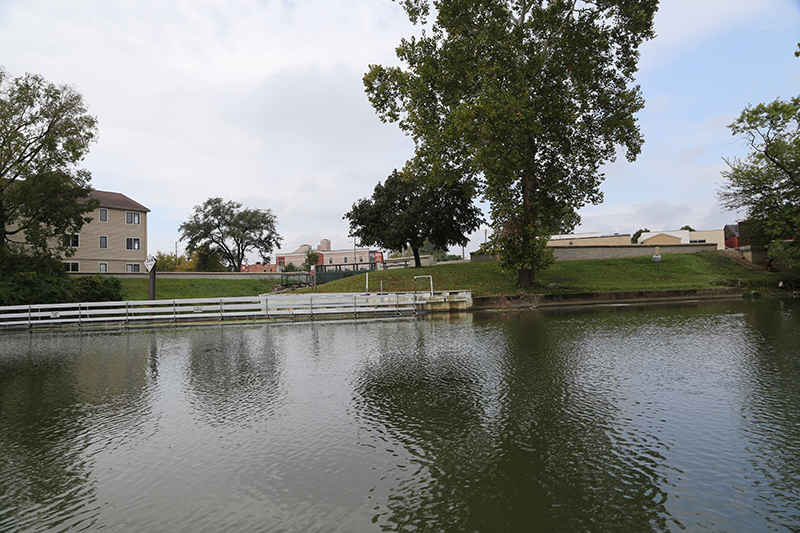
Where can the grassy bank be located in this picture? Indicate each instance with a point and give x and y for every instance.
(690, 271)
(168, 289)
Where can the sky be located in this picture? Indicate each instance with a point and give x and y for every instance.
(261, 102)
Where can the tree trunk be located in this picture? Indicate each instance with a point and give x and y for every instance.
(526, 278)
(417, 261)
(2, 226)
(527, 275)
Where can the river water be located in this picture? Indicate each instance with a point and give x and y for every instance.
(620, 419)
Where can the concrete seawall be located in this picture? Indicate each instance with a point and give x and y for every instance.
(528, 301)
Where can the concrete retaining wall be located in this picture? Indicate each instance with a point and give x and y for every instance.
(522, 301)
(189, 275)
(576, 252)
(755, 254)
(572, 253)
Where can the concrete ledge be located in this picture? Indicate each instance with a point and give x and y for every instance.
(611, 251)
(573, 253)
(190, 275)
(520, 301)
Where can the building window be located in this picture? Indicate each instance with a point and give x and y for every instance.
(360, 259)
(103, 242)
(103, 215)
(698, 241)
(132, 267)
(72, 241)
(103, 267)
(133, 243)
(132, 218)
(345, 260)
(72, 266)
(330, 261)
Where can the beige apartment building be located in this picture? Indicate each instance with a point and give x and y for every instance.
(716, 236)
(114, 241)
(589, 239)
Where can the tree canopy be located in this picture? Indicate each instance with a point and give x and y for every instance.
(637, 234)
(404, 211)
(427, 248)
(224, 228)
(526, 98)
(311, 260)
(45, 132)
(765, 185)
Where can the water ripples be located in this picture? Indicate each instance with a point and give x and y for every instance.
(644, 421)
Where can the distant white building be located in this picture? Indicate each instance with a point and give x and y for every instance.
(716, 236)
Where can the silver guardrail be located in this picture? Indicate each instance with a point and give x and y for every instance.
(294, 306)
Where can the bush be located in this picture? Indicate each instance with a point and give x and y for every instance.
(28, 278)
(27, 288)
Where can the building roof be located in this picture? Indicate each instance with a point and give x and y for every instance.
(117, 200)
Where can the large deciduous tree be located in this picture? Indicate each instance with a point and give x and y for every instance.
(528, 98)
(404, 211)
(765, 185)
(45, 132)
(232, 232)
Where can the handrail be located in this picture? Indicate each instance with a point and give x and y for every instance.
(415, 283)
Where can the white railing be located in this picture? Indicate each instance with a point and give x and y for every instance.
(296, 306)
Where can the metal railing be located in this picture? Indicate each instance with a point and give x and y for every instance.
(293, 307)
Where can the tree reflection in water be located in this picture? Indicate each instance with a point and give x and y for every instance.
(513, 436)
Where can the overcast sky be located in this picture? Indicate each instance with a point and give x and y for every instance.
(261, 102)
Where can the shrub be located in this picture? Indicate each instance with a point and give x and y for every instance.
(26, 288)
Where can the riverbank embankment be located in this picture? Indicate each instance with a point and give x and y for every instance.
(529, 301)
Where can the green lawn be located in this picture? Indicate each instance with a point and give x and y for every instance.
(685, 271)
(168, 289)
(689, 271)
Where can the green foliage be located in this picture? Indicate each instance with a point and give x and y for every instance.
(765, 185)
(290, 268)
(45, 131)
(525, 99)
(230, 231)
(26, 288)
(406, 211)
(172, 262)
(487, 248)
(635, 236)
(687, 227)
(312, 258)
(32, 277)
(207, 259)
(523, 249)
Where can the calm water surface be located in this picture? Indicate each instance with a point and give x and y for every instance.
(669, 419)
